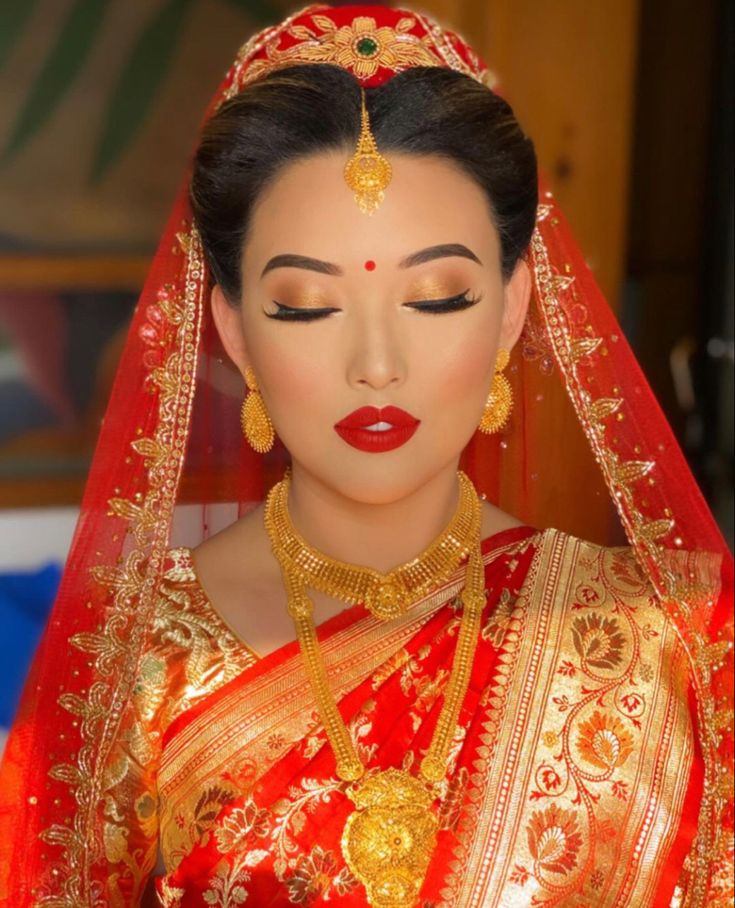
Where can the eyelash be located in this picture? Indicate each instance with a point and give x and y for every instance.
(434, 307)
(451, 304)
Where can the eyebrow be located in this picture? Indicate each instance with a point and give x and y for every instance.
(440, 251)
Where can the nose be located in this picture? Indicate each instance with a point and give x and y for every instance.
(376, 355)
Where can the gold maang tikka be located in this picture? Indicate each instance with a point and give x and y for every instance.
(367, 173)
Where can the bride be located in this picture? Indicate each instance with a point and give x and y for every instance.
(402, 677)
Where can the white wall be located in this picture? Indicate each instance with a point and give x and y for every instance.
(29, 537)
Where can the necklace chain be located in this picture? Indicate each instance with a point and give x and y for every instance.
(388, 840)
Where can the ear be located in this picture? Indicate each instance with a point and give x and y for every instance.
(517, 296)
(228, 321)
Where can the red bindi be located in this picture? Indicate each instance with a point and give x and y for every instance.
(369, 265)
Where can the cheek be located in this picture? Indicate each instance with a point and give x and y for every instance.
(296, 378)
(462, 368)
(464, 386)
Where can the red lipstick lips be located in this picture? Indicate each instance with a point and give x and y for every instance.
(377, 429)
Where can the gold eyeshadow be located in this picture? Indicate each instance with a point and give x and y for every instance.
(438, 281)
(302, 299)
(435, 289)
(295, 295)
(420, 290)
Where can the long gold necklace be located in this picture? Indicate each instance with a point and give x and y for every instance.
(389, 838)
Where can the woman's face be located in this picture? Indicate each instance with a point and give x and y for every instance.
(411, 310)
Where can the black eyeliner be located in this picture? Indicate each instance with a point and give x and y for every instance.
(451, 304)
(435, 307)
(293, 314)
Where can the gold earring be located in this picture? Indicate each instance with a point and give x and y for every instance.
(256, 424)
(500, 400)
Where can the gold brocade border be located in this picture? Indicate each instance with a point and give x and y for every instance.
(494, 713)
(523, 668)
(670, 586)
(131, 583)
(496, 865)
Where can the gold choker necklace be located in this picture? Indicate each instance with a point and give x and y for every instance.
(385, 595)
(389, 838)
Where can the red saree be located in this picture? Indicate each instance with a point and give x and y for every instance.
(570, 771)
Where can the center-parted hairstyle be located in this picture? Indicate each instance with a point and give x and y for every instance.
(303, 110)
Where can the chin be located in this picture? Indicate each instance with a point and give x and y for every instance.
(377, 479)
(377, 490)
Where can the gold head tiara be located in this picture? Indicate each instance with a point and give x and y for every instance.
(367, 173)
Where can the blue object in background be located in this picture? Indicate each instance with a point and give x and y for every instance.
(25, 601)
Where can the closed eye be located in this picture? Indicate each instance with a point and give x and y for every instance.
(450, 304)
(295, 314)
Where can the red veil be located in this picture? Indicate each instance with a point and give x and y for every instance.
(171, 467)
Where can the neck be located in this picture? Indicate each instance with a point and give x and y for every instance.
(379, 536)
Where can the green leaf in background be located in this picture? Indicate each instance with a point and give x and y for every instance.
(13, 16)
(139, 81)
(261, 12)
(73, 44)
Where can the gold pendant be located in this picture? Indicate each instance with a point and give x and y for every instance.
(388, 840)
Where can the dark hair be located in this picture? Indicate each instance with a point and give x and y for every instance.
(306, 109)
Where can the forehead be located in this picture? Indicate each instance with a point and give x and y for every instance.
(309, 210)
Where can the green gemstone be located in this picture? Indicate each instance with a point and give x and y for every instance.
(366, 46)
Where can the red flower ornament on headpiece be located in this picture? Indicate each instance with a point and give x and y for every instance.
(371, 42)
